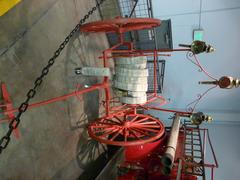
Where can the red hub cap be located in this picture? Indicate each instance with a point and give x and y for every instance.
(120, 25)
(126, 130)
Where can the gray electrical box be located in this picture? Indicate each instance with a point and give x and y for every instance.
(144, 39)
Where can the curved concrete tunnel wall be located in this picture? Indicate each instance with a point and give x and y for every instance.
(30, 33)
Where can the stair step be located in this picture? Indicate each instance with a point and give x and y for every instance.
(193, 134)
(194, 144)
(195, 150)
(198, 157)
(192, 140)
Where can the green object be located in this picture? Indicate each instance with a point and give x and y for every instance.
(198, 47)
(199, 117)
(198, 34)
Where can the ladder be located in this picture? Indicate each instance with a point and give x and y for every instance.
(193, 150)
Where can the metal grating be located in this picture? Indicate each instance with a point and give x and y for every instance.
(135, 8)
(160, 77)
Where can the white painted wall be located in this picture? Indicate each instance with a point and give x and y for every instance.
(221, 23)
(225, 139)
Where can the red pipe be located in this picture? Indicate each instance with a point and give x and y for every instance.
(106, 82)
(204, 143)
(118, 107)
(148, 51)
(212, 173)
(151, 100)
(210, 143)
(61, 98)
(167, 110)
(128, 55)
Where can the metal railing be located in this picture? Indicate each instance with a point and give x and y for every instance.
(194, 161)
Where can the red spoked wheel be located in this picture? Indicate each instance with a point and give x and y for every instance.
(126, 130)
(120, 25)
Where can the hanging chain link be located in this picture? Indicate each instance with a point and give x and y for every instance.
(31, 93)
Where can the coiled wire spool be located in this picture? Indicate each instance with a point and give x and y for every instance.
(131, 86)
(126, 79)
(131, 72)
(136, 94)
(131, 76)
(134, 100)
(131, 60)
(133, 66)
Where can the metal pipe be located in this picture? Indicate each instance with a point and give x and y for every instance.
(132, 55)
(211, 146)
(208, 82)
(168, 157)
(182, 113)
(179, 172)
(149, 51)
(61, 98)
(185, 45)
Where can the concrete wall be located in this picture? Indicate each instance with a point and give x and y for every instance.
(51, 136)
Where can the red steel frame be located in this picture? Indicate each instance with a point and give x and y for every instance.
(118, 25)
(112, 52)
(143, 155)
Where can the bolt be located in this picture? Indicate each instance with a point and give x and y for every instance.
(78, 71)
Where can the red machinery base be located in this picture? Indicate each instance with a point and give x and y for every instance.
(144, 162)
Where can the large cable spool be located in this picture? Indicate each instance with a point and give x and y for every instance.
(131, 76)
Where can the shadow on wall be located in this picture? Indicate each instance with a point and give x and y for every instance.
(83, 109)
(91, 156)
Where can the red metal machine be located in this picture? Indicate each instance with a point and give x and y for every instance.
(145, 138)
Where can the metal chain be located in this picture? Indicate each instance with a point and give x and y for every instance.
(32, 92)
